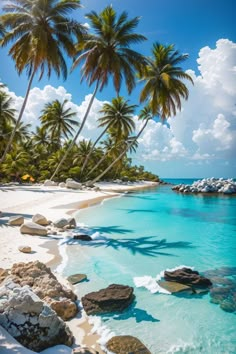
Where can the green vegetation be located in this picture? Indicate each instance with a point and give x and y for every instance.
(42, 34)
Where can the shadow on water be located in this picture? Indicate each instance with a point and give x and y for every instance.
(115, 229)
(132, 312)
(146, 246)
(131, 211)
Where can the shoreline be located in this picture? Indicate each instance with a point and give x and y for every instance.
(50, 202)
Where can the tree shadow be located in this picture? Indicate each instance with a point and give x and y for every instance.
(131, 211)
(146, 246)
(132, 312)
(115, 229)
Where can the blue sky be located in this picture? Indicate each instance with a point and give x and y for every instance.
(190, 25)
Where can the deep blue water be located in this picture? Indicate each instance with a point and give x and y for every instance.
(145, 233)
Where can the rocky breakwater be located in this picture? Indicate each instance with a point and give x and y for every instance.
(28, 319)
(46, 286)
(208, 185)
(185, 279)
(114, 298)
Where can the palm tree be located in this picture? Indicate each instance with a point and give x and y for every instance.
(7, 118)
(41, 32)
(106, 54)
(118, 115)
(163, 85)
(163, 88)
(15, 163)
(41, 137)
(57, 120)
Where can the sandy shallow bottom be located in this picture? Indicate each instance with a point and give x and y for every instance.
(53, 203)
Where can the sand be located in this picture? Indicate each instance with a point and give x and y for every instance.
(53, 203)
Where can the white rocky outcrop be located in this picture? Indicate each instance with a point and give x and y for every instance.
(28, 319)
(208, 185)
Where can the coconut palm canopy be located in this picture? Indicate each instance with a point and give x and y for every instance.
(163, 81)
(42, 33)
(106, 52)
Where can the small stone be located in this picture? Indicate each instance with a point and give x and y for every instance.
(60, 223)
(82, 237)
(16, 220)
(25, 249)
(77, 278)
(40, 219)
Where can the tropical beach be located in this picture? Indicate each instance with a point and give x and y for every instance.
(117, 177)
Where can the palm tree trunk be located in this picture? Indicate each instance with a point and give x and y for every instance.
(120, 156)
(99, 162)
(91, 151)
(78, 133)
(19, 118)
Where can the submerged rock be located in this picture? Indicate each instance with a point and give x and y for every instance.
(125, 345)
(174, 287)
(77, 278)
(82, 237)
(114, 298)
(187, 276)
(28, 319)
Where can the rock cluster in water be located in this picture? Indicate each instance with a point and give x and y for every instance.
(208, 185)
(185, 279)
(28, 319)
(223, 291)
(114, 298)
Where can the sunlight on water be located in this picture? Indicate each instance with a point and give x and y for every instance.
(141, 235)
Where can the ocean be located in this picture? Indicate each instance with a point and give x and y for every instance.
(139, 235)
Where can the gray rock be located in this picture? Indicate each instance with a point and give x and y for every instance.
(60, 223)
(16, 220)
(62, 185)
(72, 222)
(70, 183)
(32, 228)
(76, 278)
(49, 183)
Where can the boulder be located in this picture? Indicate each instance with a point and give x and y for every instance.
(60, 223)
(28, 319)
(70, 183)
(114, 298)
(49, 183)
(40, 219)
(65, 308)
(25, 249)
(62, 185)
(16, 220)
(82, 237)
(72, 223)
(76, 278)
(174, 287)
(3, 274)
(45, 285)
(187, 276)
(32, 228)
(126, 345)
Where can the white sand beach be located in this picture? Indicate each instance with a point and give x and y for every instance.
(53, 203)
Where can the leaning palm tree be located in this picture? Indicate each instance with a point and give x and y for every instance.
(7, 112)
(118, 115)
(58, 120)
(106, 54)
(42, 33)
(163, 88)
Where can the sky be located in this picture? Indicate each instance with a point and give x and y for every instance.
(200, 141)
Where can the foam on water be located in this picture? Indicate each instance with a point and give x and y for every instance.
(102, 330)
(151, 284)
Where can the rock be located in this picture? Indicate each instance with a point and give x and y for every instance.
(60, 223)
(16, 220)
(228, 305)
(70, 183)
(82, 237)
(3, 274)
(25, 249)
(62, 185)
(44, 284)
(187, 276)
(174, 287)
(32, 228)
(72, 223)
(49, 183)
(84, 350)
(64, 308)
(40, 219)
(126, 345)
(34, 324)
(209, 185)
(76, 278)
(114, 298)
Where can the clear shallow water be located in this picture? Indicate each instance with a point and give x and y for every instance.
(150, 231)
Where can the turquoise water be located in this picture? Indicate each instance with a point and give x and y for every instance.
(145, 233)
